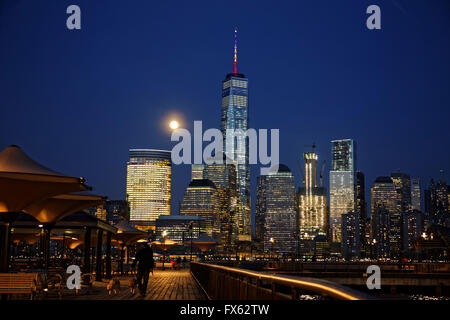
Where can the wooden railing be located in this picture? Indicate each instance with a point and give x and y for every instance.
(225, 283)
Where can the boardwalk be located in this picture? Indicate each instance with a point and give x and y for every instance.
(163, 285)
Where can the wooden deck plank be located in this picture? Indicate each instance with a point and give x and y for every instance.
(163, 285)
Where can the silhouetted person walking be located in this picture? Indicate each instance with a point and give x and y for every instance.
(144, 260)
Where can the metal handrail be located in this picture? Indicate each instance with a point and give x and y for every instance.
(323, 287)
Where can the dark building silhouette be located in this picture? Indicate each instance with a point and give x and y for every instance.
(361, 209)
(117, 210)
(351, 237)
(413, 226)
(381, 235)
(436, 203)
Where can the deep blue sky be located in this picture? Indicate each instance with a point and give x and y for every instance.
(78, 100)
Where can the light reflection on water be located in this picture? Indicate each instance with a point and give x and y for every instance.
(424, 297)
(401, 297)
(310, 297)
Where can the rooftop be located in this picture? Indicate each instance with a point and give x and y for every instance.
(202, 183)
(237, 75)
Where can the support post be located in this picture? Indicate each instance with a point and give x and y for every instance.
(108, 255)
(121, 258)
(99, 260)
(46, 245)
(87, 250)
(5, 241)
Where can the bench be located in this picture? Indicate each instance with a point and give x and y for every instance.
(167, 265)
(20, 283)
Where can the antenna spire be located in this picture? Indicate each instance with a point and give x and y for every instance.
(235, 50)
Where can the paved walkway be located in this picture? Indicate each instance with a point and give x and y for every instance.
(162, 285)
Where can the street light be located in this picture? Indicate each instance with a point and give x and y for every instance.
(164, 234)
(374, 242)
(191, 227)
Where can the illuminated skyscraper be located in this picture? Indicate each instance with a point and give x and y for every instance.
(312, 202)
(416, 195)
(342, 184)
(201, 199)
(386, 204)
(235, 117)
(224, 178)
(276, 210)
(149, 182)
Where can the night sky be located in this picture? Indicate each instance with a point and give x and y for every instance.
(76, 101)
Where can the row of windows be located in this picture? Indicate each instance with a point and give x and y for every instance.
(235, 83)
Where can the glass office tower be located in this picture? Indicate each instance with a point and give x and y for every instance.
(235, 117)
(149, 183)
(276, 211)
(342, 185)
(201, 199)
(224, 178)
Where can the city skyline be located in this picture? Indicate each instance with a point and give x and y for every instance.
(223, 157)
(137, 120)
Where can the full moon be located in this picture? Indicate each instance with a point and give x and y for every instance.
(173, 125)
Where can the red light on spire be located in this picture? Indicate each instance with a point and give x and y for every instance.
(235, 51)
